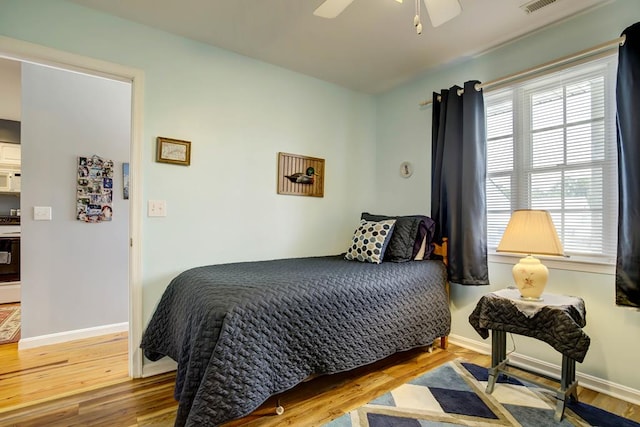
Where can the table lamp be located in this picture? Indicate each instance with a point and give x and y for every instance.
(530, 232)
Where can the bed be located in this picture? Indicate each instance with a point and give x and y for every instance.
(242, 332)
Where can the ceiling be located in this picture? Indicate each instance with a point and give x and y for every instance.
(371, 47)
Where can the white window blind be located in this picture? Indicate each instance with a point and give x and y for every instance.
(551, 144)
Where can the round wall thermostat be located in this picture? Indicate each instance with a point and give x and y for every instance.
(406, 169)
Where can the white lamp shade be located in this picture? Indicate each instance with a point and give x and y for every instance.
(531, 232)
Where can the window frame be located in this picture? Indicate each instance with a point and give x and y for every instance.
(604, 264)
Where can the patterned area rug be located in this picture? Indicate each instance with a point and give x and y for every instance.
(453, 395)
(9, 323)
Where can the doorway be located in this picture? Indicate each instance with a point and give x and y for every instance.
(40, 58)
(10, 110)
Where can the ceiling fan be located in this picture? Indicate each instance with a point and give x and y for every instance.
(440, 11)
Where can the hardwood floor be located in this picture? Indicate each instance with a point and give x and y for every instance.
(85, 383)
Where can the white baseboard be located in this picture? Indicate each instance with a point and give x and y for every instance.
(600, 385)
(77, 334)
(162, 366)
(477, 346)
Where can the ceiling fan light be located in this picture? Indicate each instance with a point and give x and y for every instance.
(331, 8)
(441, 11)
(416, 20)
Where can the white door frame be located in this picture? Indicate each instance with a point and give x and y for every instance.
(36, 54)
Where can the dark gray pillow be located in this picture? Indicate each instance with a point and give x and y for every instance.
(407, 237)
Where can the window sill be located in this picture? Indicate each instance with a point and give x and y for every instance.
(572, 264)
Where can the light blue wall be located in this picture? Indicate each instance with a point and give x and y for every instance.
(404, 132)
(238, 113)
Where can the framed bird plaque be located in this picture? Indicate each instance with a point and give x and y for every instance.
(300, 175)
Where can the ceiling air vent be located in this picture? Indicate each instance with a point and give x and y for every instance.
(536, 5)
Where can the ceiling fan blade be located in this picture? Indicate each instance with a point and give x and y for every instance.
(441, 11)
(331, 8)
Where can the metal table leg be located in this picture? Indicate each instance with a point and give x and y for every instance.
(568, 383)
(568, 386)
(498, 357)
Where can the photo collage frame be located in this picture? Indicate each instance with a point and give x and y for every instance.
(94, 189)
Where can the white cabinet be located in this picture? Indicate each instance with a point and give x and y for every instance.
(5, 180)
(10, 154)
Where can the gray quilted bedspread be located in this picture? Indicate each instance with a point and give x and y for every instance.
(242, 332)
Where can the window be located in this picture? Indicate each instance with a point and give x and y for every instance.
(551, 144)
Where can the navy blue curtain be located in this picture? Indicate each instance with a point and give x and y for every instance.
(628, 131)
(458, 178)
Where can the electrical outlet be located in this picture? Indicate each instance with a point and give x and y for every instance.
(42, 213)
(157, 208)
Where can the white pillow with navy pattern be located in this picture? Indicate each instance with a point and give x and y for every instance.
(370, 240)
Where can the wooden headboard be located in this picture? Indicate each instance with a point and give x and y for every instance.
(441, 250)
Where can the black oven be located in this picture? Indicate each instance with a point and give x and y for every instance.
(9, 259)
(9, 248)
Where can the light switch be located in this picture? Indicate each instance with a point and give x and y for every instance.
(157, 208)
(42, 213)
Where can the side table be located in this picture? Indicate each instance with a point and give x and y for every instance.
(557, 320)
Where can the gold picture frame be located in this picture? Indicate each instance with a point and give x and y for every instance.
(174, 151)
(300, 175)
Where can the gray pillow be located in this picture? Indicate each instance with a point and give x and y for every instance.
(407, 237)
